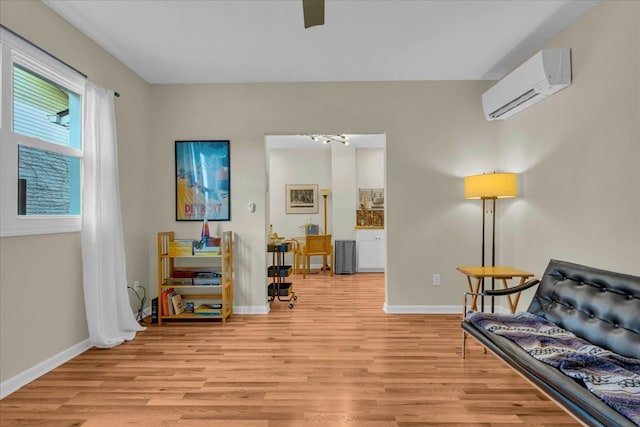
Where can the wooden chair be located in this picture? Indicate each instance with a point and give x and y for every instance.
(296, 250)
(314, 245)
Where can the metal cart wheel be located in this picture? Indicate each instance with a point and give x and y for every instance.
(290, 306)
(295, 297)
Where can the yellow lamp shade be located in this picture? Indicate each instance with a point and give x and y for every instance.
(490, 186)
(325, 191)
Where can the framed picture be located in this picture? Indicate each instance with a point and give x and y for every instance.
(203, 186)
(371, 198)
(301, 198)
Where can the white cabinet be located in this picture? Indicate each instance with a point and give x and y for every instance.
(371, 250)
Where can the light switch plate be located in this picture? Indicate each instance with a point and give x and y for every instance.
(436, 280)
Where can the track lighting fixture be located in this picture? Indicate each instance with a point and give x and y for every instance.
(327, 139)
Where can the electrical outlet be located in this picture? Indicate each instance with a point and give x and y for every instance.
(436, 279)
(136, 284)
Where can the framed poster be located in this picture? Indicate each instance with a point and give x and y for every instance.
(203, 186)
(372, 198)
(301, 198)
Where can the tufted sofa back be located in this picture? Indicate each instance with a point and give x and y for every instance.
(599, 306)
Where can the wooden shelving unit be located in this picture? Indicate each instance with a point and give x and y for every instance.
(221, 293)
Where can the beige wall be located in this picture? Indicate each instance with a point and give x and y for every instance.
(290, 166)
(41, 297)
(342, 169)
(370, 170)
(341, 219)
(436, 134)
(578, 154)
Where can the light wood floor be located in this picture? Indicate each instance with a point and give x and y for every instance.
(336, 359)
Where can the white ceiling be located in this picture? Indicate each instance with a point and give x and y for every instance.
(211, 41)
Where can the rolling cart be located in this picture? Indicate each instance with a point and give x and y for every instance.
(278, 272)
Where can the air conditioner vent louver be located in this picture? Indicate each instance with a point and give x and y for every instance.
(513, 104)
(541, 76)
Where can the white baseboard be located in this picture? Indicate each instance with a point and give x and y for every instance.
(15, 383)
(432, 309)
(370, 270)
(251, 309)
(422, 309)
(389, 309)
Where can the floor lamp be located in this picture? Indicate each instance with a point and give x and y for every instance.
(325, 193)
(490, 186)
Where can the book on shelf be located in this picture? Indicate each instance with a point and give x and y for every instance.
(184, 273)
(184, 242)
(164, 301)
(170, 302)
(179, 281)
(208, 273)
(210, 314)
(205, 253)
(204, 306)
(176, 301)
(209, 309)
(207, 249)
(154, 311)
(181, 247)
(206, 281)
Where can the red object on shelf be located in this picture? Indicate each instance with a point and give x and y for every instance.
(205, 229)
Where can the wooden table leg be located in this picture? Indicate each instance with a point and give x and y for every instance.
(474, 298)
(513, 303)
(506, 286)
(517, 296)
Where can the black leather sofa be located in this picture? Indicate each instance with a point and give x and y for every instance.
(600, 306)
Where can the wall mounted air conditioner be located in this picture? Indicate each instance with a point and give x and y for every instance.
(547, 72)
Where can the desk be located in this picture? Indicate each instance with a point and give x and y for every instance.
(501, 273)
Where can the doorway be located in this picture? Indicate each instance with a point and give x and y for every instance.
(343, 170)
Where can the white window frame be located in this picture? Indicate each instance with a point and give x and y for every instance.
(14, 50)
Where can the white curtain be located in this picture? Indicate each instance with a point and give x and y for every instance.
(109, 315)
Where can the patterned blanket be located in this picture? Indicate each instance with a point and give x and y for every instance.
(612, 378)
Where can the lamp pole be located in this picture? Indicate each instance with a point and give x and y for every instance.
(325, 213)
(325, 193)
(484, 215)
(493, 249)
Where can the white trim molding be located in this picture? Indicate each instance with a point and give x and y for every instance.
(422, 309)
(432, 309)
(251, 309)
(16, 382)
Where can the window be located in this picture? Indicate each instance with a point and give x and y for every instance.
(40, 122)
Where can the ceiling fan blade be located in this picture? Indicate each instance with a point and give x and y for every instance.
(313, 12)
